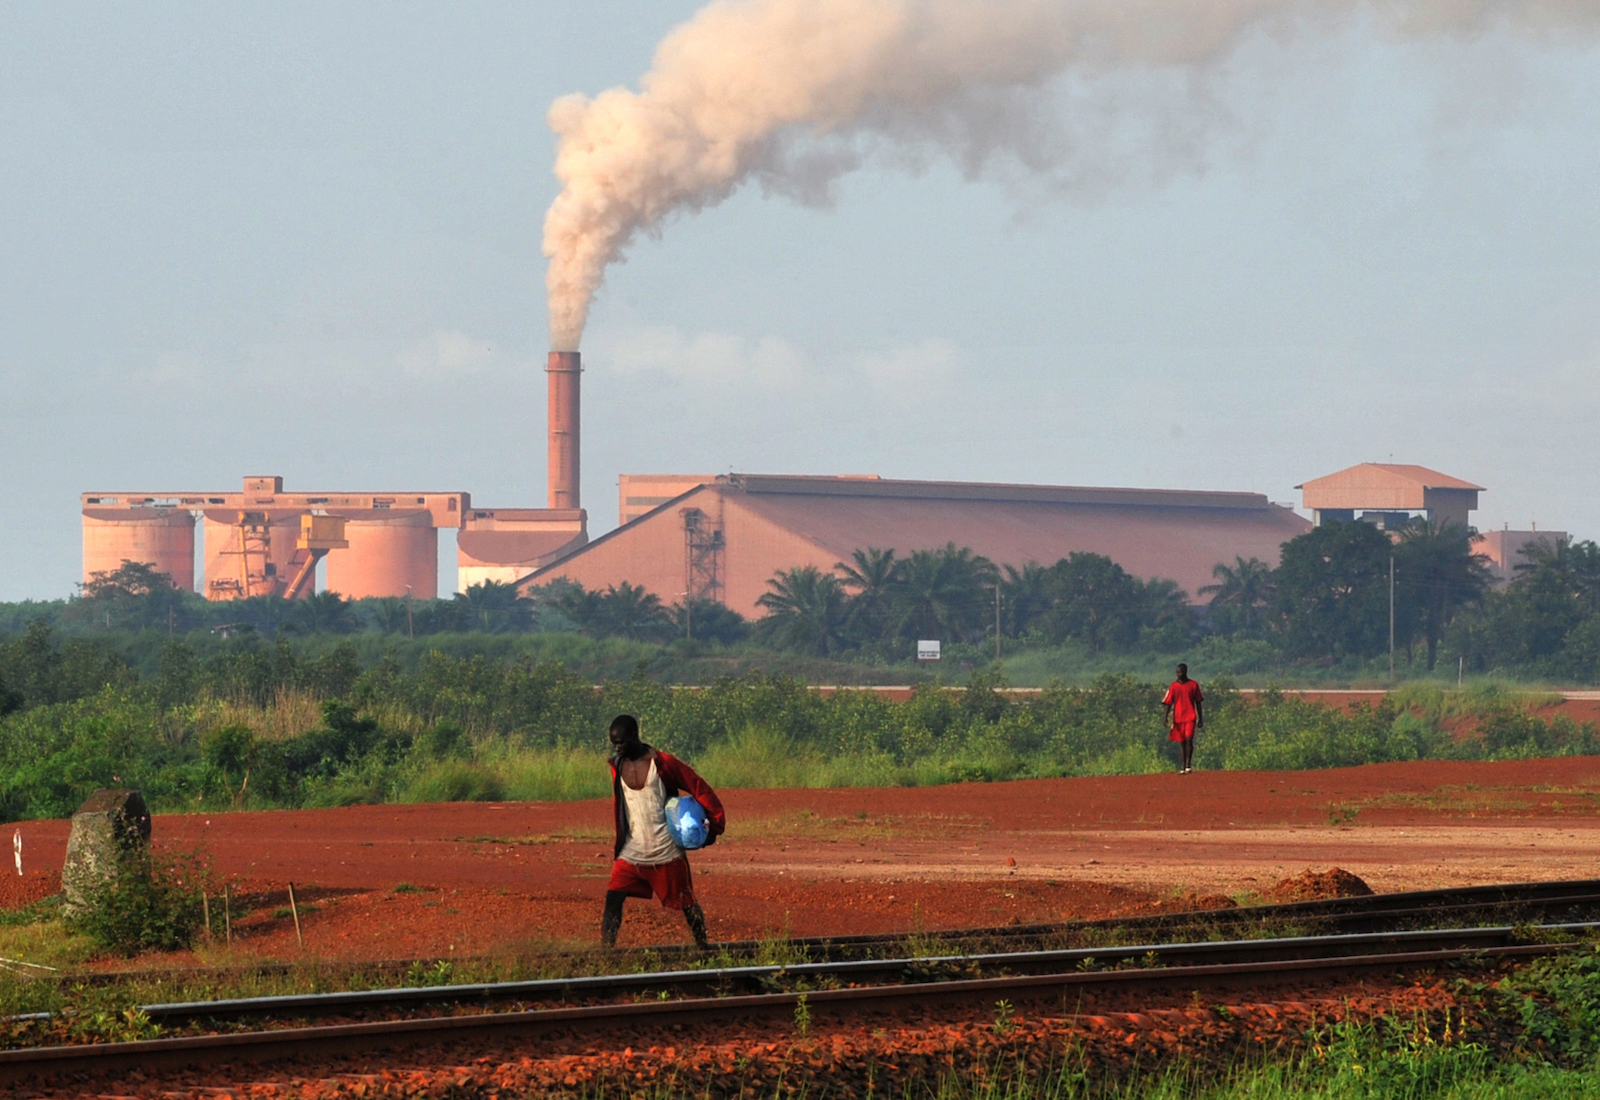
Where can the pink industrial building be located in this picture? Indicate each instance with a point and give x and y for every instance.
(724, 537)
(263, 541)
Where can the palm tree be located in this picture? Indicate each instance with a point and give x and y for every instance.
(1242, 592)
(1436, 573)
(494, 606)
(1164, 604)
(324, 613)
(630, 612)
(706, 620)
(387, 614)
(1028, 596)
(805, 611)
(944, 594)
(873, 580)
(570, 601)
(1573, 567)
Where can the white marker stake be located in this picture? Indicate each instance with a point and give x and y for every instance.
(16, 845)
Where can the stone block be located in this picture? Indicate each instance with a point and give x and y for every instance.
(110, 826)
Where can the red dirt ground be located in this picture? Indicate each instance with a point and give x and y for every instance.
(502, 877)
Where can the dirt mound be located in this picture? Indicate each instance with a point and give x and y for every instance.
(1311, 885)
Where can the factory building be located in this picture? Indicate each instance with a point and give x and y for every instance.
(722, 538)
(263, 541)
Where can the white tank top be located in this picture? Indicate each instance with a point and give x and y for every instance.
(649, 843)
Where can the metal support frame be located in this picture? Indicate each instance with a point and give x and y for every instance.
(703, 545)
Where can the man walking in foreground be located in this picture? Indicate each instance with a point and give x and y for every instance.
(648, 860)
(1185, 714)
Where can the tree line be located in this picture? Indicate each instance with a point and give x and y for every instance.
(1330, 599)
(881, 601)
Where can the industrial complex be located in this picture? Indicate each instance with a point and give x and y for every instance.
(722, 537)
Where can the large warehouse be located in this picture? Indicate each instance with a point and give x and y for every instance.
(722, 538)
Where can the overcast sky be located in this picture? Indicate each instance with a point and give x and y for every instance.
(305, 239)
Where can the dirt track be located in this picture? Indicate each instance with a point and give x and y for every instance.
(497, 877)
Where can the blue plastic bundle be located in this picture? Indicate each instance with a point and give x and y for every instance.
(686, 821)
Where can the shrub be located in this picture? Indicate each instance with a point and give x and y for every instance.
(455, 781)
(153, 903)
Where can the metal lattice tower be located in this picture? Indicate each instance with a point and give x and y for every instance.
(702, 555)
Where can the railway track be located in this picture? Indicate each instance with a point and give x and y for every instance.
(800, 977)
(1055, 978)
(1566, 900)
(1561, 901)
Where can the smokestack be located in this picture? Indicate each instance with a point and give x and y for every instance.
(564, 369)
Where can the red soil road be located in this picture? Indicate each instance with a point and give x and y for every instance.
(504, 877)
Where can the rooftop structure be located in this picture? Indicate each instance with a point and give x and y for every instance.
(1389, 494)
(722, 538)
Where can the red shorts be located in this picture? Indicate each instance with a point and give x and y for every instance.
(670, 882)
(1181, 731)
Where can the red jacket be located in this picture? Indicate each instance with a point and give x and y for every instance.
(676, 776)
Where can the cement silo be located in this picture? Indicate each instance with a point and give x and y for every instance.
(161, 537)
(393, 555)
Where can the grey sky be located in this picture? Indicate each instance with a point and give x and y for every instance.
(305, 240)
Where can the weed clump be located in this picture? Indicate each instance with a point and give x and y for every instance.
(152, 903)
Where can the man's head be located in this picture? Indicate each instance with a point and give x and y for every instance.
(624, 735)
(1183, 673)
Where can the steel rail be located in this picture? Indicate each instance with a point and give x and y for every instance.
(366, 1038)
(1370, 913)
(906, 969)
(1402, 904)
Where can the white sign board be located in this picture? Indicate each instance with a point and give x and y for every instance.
(927, 651)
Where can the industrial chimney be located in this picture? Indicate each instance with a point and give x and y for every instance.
(563, 369)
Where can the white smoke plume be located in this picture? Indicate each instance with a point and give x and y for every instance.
(794, 91)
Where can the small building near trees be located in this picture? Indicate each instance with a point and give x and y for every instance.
(1390, 496)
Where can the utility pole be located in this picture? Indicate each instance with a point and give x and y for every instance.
(997, 620)
(411, 628)
(1391, 618)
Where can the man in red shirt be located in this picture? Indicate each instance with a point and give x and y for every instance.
(647, 860)
(1185, 714)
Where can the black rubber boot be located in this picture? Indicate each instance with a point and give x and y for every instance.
(611, 919)
(695, 918)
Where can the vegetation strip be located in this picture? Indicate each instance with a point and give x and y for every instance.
(213, 727)
(923, 969)
(266, 1045)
